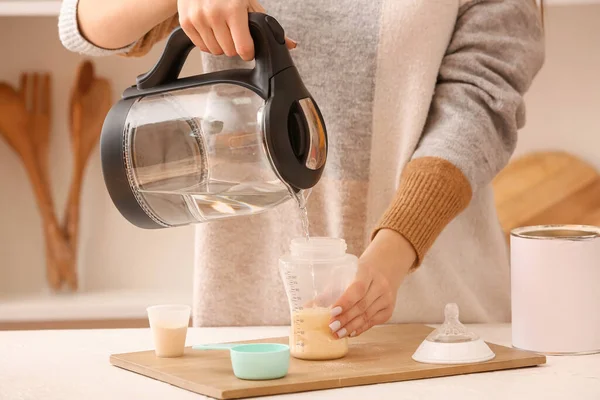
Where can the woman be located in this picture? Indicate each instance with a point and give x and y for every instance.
(422, 102)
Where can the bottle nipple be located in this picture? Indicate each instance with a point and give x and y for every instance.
(452, 330)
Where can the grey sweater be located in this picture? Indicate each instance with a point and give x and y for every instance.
(423, 101)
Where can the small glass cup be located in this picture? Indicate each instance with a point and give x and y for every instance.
(169, 324)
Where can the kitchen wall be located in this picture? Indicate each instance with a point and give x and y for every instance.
(113, 254)
(563, 105)
(563, 113)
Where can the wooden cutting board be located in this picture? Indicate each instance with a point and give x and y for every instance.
(547, 188)
(381, 355)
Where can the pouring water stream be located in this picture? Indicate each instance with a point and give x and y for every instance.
(302, 198)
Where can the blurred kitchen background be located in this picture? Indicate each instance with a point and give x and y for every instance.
(122, 268)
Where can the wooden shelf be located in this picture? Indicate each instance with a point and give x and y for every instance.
(107, 305)
(16, 8)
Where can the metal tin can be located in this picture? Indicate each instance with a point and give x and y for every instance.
(555, 289)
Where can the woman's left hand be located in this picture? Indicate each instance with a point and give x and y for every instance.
(371, 298)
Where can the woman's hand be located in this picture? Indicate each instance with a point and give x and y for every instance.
(221, 26)
(371, 298)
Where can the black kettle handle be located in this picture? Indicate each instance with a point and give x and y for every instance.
(270, 53)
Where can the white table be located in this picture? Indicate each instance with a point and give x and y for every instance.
(74, 364)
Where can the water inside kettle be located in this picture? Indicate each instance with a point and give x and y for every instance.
(221, 200)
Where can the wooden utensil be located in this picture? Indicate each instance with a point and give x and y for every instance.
(383, 354)
(89, 104)
(24, 117)
(28, 90)
(547, 188)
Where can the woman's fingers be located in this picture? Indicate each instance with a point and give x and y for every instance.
(223, 36)
(380, 317)
(354, 293)
(352, 300)
(221, 27)
(366, 320)
(191, 32)
(290, 44)
(204, 28)
(240, 32)
(363, 304)
(359, 314)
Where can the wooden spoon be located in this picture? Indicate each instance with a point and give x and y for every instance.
(35, 91)
(28, 89)
(90, 102)
(18, 124)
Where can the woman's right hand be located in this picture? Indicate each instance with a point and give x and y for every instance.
(221, 26)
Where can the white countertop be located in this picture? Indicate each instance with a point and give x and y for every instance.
(74, 365)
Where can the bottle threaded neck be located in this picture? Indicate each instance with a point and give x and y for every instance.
(318, 247)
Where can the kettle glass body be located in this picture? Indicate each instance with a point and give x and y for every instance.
(199, 154)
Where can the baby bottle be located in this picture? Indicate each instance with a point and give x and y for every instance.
(315, 274)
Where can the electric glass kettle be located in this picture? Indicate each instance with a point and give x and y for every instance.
(218, 145)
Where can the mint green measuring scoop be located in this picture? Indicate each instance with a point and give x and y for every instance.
(255, 361)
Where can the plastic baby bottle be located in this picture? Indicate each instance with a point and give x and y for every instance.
(315, 274)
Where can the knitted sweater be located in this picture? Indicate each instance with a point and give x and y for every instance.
(422, 101)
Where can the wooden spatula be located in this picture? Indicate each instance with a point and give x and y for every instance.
(24, 117)
(90, 102)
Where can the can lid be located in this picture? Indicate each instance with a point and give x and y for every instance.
(557, 232)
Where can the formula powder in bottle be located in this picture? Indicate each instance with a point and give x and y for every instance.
(311, 338)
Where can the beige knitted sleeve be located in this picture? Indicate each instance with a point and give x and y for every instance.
(496, 50)
(155, 35)
(432, 192)
(73, 40)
